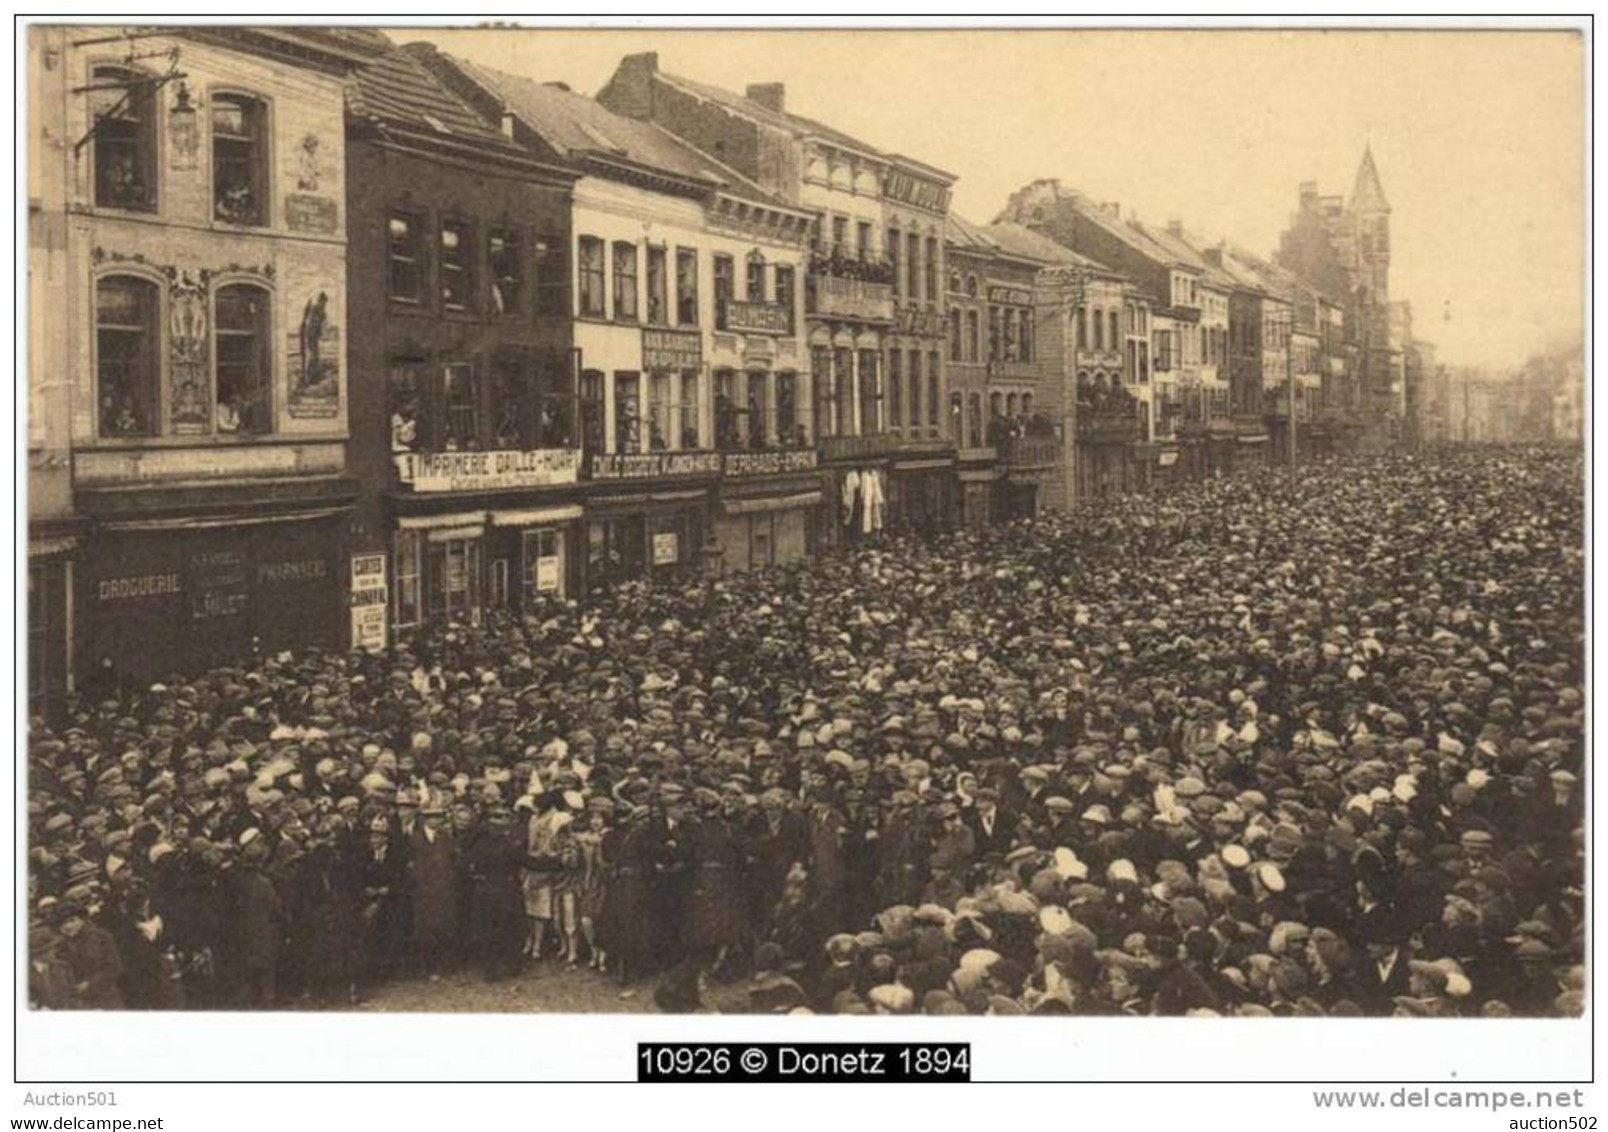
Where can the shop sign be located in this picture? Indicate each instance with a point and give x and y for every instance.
(221, 584)
(666, 548)
(1013, 295)
(370, 599)
(769, 463)
(650, 465)
(307, 213)
(484, 471)
(547, 575)
(744, 317)
(671, 349)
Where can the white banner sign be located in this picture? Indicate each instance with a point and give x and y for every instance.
(370, 599)
(482, 471)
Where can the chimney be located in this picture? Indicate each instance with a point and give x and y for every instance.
(507, 123)
(630, 91)
(1112, 209)
(772, 96)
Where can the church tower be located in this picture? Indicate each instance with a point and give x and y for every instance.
(1370, 224)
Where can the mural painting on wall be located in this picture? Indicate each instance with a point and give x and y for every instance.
(315, 367)
(188, 398)
(305, 209)
(310, 166)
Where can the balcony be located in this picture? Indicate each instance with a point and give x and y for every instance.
(773, 462)
(1030, 453)
(653, 465)
(882, 444)
(494, 470)
(833, 296)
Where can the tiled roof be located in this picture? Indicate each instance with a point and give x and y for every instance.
(395, 88)
(577, 126)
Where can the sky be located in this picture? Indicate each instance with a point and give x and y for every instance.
(1478, 135)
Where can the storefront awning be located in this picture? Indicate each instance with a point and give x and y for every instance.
(208, 522)
(1253, 440)
(436, 522)
(778, 503)
(49, 547)
(453, 534)
(536, 516)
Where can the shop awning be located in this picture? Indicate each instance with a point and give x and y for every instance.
(536, 516)
(777, 503)
(48, 547)
(207, 522)
(452, 534)
(1253, 440)
(438, 522)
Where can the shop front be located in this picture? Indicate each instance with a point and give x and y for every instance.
(767, 500)
(651, 536)
(166, 596)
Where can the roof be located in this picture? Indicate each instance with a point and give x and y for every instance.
(1183, 242)
(963, 235)
(1015, 239)
(1368, 195)
(795, 124)
(394, 88)
(579, 127)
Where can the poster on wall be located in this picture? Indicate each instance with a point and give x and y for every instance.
(315, 367)
(370, 599)
(666, 548)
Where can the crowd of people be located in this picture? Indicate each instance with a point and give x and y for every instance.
(1265, 745)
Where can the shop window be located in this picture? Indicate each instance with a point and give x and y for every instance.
(460, 398)
(504, 250)
(787, 424)
(243, 327)
(870, 394)
(756, 277)
(627, 412)
(786, 295)
(541, 552)
(497, 583)
(686, 287)
(452, 579)
(725, 287)
(552, 276)
(125, 139)
(405, 252)
(690, 408)
(594, 300)
(126, 344)
(239, 159)
(669, 545)
(457, 266)
(408, 607)
(895, 390)
(625, 281)
(658, 308)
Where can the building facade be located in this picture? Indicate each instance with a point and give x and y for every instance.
(874, 291)
(192, 348)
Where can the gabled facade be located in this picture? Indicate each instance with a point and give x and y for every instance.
(188, 225)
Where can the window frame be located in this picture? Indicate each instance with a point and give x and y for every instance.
(513, 238)
(619, 289)
(152, 349)
(265, 353)
(261, 108)
(420, 260)
(463, 265)
(584, 274)
(147, 141)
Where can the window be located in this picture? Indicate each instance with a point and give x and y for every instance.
(1024, 330)
(461, 400)
(239, 159)
(973, 335)
(660, 409)
(840, 235)
(870, 394)
(786, 297)
(1099, 329)
(405, 241)
(954, 334)
(690, 408)
(821, 380)
(405, 396)
(541, 551)
(243, 329)
(974, 421)
(915, 392)
(895, 254)
(843, 389)
(1083, 329)
(457, 266)
(1008, 343)
(592, 430)
(995, 334)
(758, 426)
(503, 251)
(625, 281)
(787, 409)
(895, 390)
(658, 306)
(453, 579)
(594, 303)
(756, 278)
(552, 276)
(725, 288)
(932, 265)
(1116, 335)
(686, 287)
(627, 412)
(727, 424)
(125, 139)
(126, 343)
(913, 266)
(862, 238)
(407, 610)
(555, 400)
(956, 423)
(933, 398)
